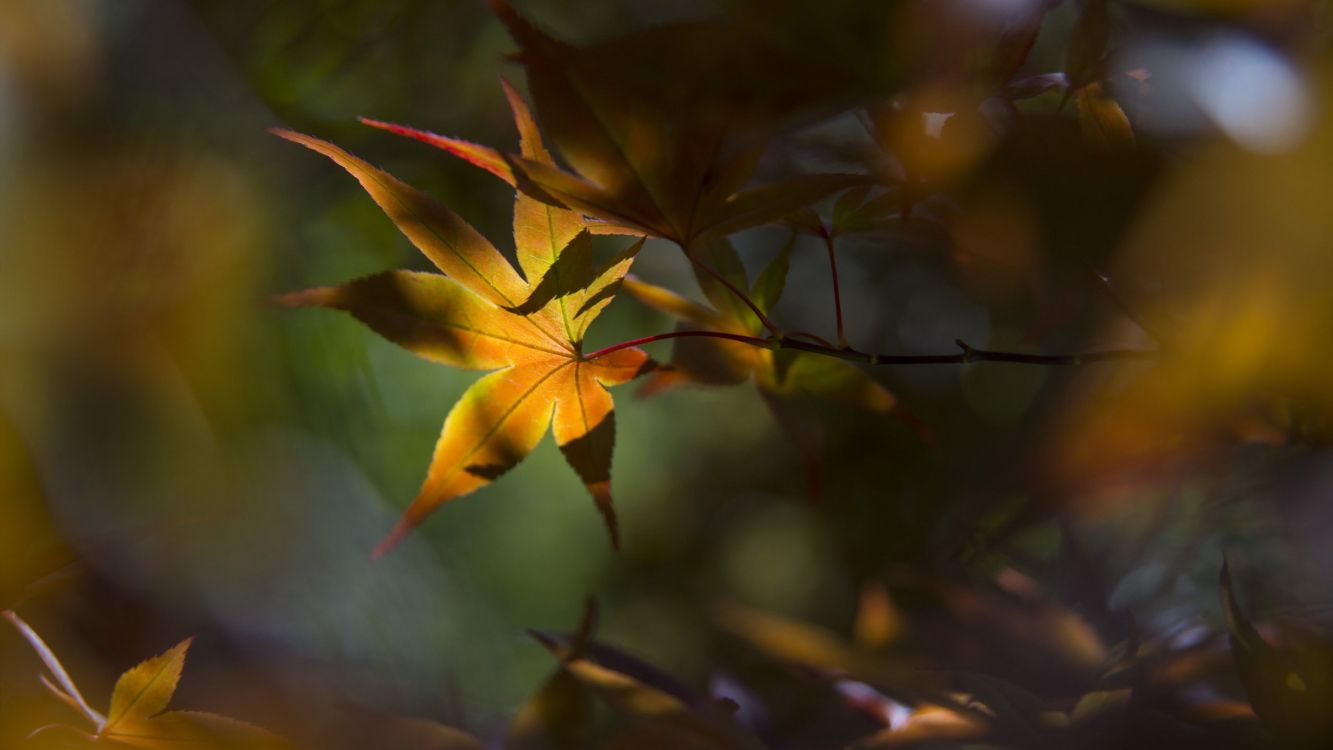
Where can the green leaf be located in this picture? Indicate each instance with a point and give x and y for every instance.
(1291, 690)
(839, 381)
(772, 279)
(717, 252)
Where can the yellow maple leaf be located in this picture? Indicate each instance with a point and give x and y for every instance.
(482, 314)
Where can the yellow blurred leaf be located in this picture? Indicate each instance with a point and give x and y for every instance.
(1103, 122)
(137, 716)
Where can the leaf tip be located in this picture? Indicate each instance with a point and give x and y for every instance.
(303, 298)
(545, 640)
(182, 648)
(399, 531)
(286, 134)
(601, 494)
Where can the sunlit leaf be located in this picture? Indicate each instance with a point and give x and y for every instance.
(448, 241)
(666, 301)
(476, 154)
(483, 315)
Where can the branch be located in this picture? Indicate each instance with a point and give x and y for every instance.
(837, 290)
(1116, 299)
(751, 340)
(67, 691)
(968, 355)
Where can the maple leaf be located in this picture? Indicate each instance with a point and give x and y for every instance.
(481, 314)
(635, 172)
(138, 715)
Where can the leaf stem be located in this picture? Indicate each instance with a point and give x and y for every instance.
(57, 669)
(812, 337)
(1116, 299)
(837, 290)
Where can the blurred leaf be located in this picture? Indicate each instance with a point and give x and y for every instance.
(708, 726)
(1291, 690)
(878, 622)
(872, 215)
(927, 725)
(655, 702)
(420, 734)
(138, 717)
(772, 202)
(558, 717)
(670, 303)
(790, 640)
(1085, 53)
(838, 381)
(675, 180)
(1015, 43)
(1101, 119)
(1097, 703)
(772, 279)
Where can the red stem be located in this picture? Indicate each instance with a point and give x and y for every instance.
(837, 290)
(812, 337)
(968, 355)
(751, 340)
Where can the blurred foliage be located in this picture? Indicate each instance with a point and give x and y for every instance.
(1002, 554)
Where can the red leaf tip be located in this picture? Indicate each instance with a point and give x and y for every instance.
(391, 540)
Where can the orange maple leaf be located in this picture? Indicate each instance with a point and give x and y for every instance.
(481, 314)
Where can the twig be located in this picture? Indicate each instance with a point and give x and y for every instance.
(53, 664)
(751, 340)
(968, 355)
(837, 290)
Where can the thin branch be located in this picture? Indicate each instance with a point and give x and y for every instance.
(968, 355)
(57, 669)
(813, 337)
(64, 697)
(1118, 300)
(837, 290)
(751, 340)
